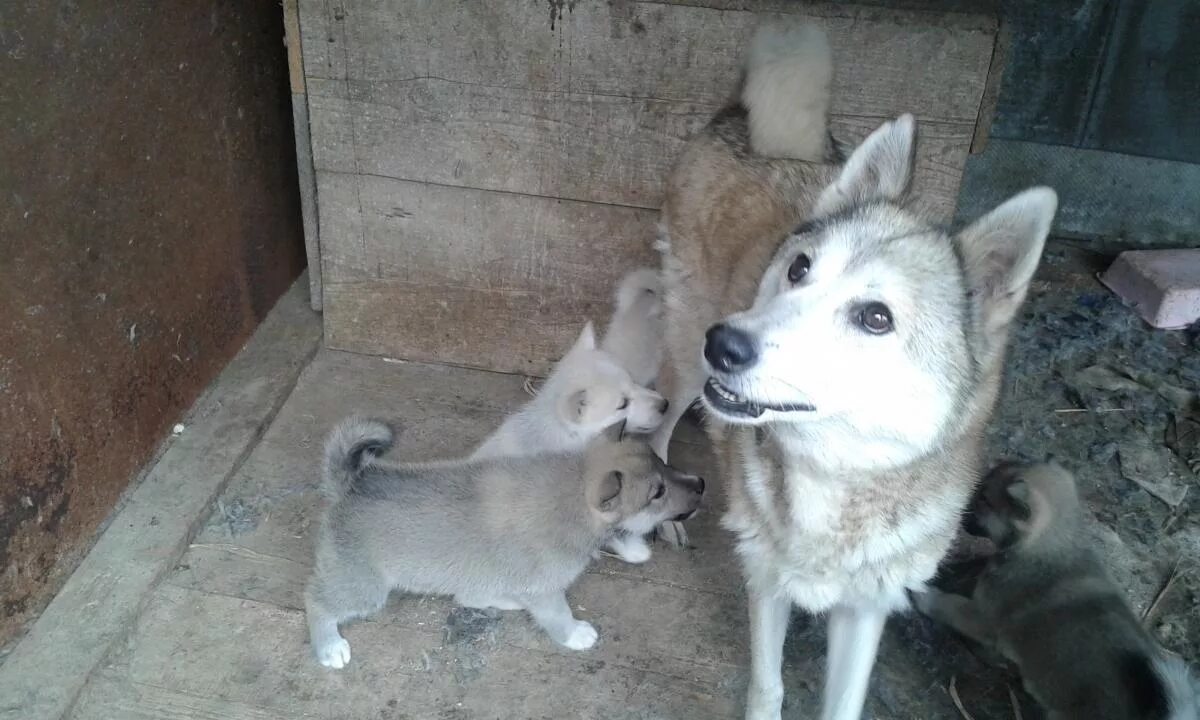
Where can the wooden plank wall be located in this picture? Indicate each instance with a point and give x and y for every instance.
(486, 171)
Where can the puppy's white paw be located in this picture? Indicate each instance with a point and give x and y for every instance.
(335, 655)
(582, 636)
(635, 553)
(673, 533)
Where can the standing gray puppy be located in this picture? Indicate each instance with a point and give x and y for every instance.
(1046, 603)
(509, 533)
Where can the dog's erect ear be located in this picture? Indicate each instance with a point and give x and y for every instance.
(608, 493)
(1020, 494)
(1001, 251)
(880, 168)
(586, 339)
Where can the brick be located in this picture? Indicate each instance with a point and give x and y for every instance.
(1162, 286)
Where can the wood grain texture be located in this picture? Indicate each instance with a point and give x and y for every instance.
(469, 277)
(503, 280)
(224, 635)
(306, 175)
(434, 124)
(888, 62)
(591, 148)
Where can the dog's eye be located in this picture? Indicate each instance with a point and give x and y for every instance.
(876, 318)
(659, 491)
(624, 404)
(799, 268)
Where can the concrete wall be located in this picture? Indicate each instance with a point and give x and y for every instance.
(148, 221)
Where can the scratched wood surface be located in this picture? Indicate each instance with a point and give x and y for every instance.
(223, 635)
(485, 171)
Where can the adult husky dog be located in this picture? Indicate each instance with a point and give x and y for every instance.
(847, 352)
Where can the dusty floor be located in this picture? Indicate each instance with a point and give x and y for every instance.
(222, 635)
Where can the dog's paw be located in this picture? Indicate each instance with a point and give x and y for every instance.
(582, 636)
(674, 534)
(335, 655)
(635, 554)
(631, 548)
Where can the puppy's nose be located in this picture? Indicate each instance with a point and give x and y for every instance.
(728, 349)
(662, 406)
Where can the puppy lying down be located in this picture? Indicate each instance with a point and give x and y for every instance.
(505, 532)
(1045, 602)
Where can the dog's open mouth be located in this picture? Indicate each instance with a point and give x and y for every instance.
(730, 403)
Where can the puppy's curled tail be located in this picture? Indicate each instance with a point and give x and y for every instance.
(786, 91)
(638, 285)
(352, 445)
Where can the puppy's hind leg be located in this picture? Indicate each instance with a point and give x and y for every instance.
(769, 615)
(329, 601)
(553, 614)
(854, 634)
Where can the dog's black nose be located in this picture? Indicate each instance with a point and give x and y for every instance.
(728, 349)
(662, 406)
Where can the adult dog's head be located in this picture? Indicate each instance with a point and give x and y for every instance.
(870, 318)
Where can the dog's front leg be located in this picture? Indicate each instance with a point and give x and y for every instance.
(552, 612)
(854, 633)
(956, 611)
(769, 615)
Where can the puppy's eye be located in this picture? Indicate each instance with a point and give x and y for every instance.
(624, 404)
(876, 318)
(799, 268)
(659, 491)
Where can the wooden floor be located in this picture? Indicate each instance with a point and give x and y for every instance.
(223, 635)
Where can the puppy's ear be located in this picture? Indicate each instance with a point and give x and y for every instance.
(1020, 495)
(880, 168)
(608, 493)
(573, 406)
(1000, 252)
(586, 339)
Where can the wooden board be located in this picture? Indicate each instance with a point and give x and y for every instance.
(224, 635)
(594, 148)
(306, 173)
(486, 172)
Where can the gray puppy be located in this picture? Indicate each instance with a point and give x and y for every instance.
(508, 533)
(1045, 602)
